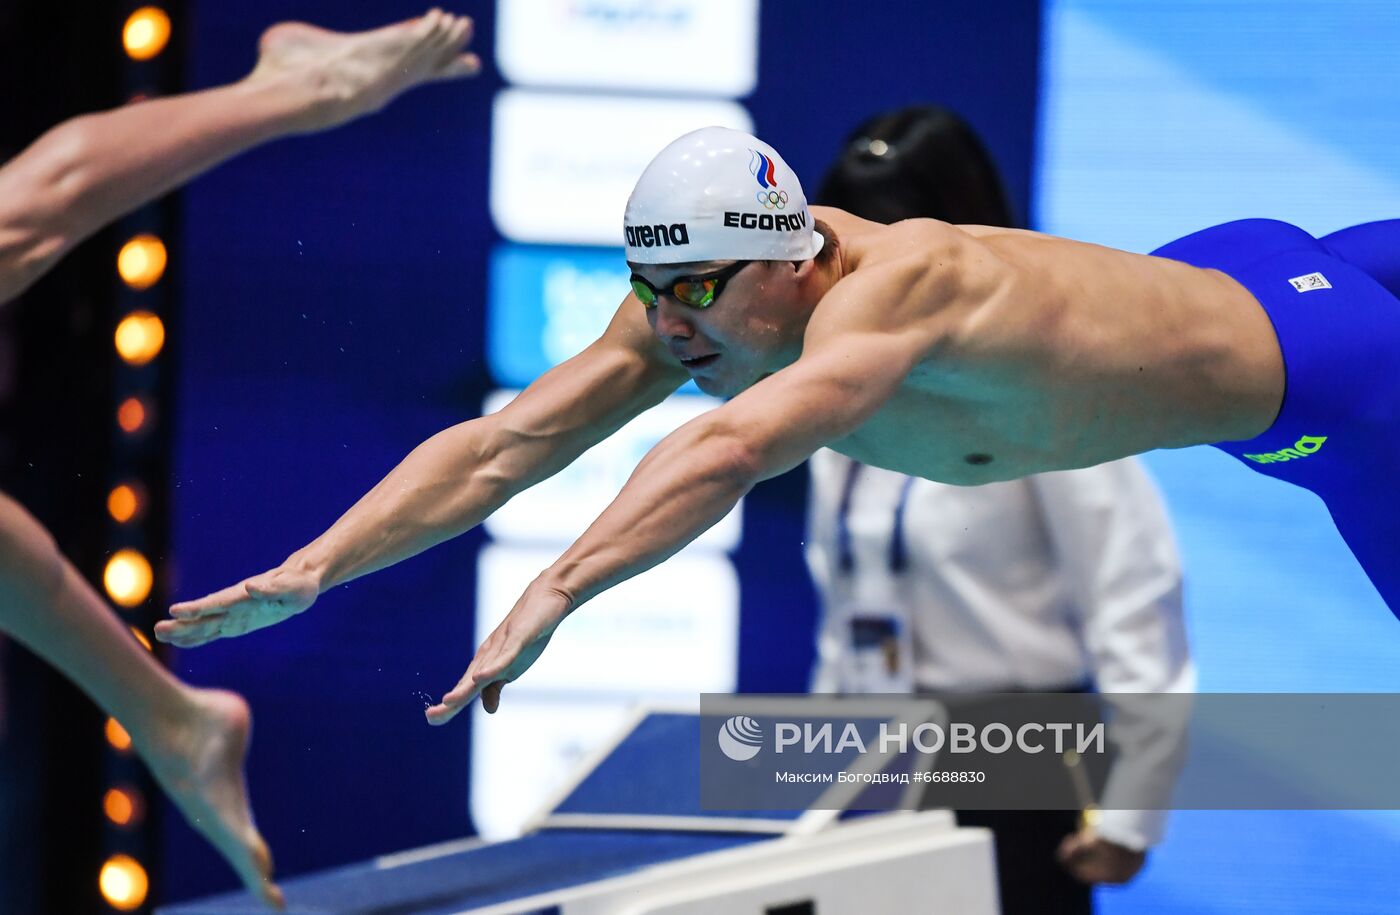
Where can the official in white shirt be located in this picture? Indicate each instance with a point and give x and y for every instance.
(1060, 581)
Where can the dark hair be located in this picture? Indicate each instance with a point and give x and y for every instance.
(921, 161)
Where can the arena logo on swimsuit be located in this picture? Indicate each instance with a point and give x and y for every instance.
(1305, 446)
(660, 234)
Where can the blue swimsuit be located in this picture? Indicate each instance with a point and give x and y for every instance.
(1333, 302)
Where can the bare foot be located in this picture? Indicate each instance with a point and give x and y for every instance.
(200, 765)
(358, 73)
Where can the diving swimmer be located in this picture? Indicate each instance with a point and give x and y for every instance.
(963, 354)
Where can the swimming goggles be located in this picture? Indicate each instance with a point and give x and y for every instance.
(697, 291)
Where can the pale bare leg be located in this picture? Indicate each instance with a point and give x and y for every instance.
(91, 169)
(194, 741)
(359, 73)
(200, 765)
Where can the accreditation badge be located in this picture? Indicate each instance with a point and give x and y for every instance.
(879, 656)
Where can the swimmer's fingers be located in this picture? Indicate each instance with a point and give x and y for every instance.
(218, 602)
(502, 658)
(457, 699)
(206, 629)
(190, 633)
(507, 652)
(467, 688)
(256, 603)
(491, 696)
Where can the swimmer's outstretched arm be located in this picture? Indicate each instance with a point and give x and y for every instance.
(453, 481)
(92, 169)
(696, 475)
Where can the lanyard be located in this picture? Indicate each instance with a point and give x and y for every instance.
(846, 560)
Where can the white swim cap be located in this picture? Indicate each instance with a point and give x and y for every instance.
(718, 194)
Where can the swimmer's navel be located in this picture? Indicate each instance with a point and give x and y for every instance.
(977, 459)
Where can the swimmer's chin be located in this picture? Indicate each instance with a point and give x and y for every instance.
(725, 387)
(708, 386)
(715, 388)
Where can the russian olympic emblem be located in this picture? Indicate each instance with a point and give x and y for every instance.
(772, 200)
(763, 170)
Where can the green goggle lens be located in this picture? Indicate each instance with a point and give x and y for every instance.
(643, 293)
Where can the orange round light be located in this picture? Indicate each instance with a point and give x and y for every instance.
(139, 337)
(146, 33)
(128, 578)
(117, 736)
(124, 883)
(141, 261)
(126, 502)
(132, 415)
(123, 806)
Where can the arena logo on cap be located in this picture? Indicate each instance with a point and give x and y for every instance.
(660, 234)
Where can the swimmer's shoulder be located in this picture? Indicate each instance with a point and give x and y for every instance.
(922, 279)
(924, 262)
(863, 237)
(910, 242)
(896, 278)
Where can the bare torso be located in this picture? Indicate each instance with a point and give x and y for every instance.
(1040, 353)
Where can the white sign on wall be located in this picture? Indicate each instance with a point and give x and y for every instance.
(673, 629)
(666, 636)
(559, 509)
(700, 47)
(563, 166)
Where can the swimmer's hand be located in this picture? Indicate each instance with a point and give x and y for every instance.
(507, 653)
(1092, 859)
(254, 603)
